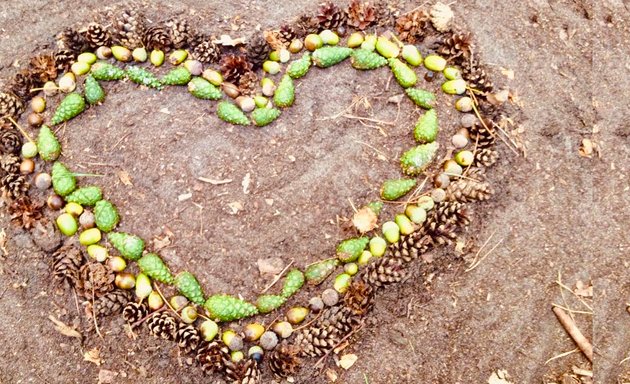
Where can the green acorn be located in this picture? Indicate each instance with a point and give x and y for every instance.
(426, 129)
(71, 106)
(103, 71)
(130, 246)
(417, 159)
(364, 59)
(63, 181)
(203, 89)
(94, 93)
(292, 283)
(299, 68)
(87, 196)
(232, 114)
(396, 188)
(284, 96)
(47, 144)
(153, 266)
(325, 57)
(264, 116)
(349, 250)
(106, 216)
(188, 286)
(318, 272)
(143, 77)
(228, 308)
(177, 76)
(422, 98)
(403, 73)
(269, 303)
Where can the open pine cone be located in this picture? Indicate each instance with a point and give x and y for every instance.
(157, 37)
(127, 27)
(305, 25)
(43, 68)
(21, 84)
(15, 186)
(187, 337)
(25, 213)
(97, 36)
(331, 17)
(181, 32)
(95, 280)
(134, 312)
(213, 357)
(258, 51)
(206, 51)
(248, 83)
(162, 325)
(457, 45)
(233, 67)
(10, 141)
(10, 105)
(108, 304)
(64, 59)
(73, 41)
(284, 360)
(412, 27)
(361, 15)
(67, 262)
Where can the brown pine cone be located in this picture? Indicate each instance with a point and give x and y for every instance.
(181, 32)
(162, 325)
(475, 75)
(134, 312)
(258, 51)
(127, 27)
(444, 216)
(305, 25)
(95, 280)
(286, 35)
(15, 186)
(331, 17)
(108, 304)
(326, 332)
(457, 46)
(43, 68)
(10, 141)
(97, 36)
(482, 137)
(9, 164)
(64, 59)
(387, 13)
(359, 298)
(21, 84)
(410, 247)
(468, 189)
(25, 213)
(412, 27)
(73, 41)
(10, 105)
(213, 357)
(361, 15)
(486, 157)
(233, 67)
(383, 271)
(284, 360)
(207, 51)
(67, 262)
(248, 83)
(245, 371)
(157, 37)
(187, 337)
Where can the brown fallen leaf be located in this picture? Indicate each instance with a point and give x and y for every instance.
(161, 242)
(124, 177)
(365, 220)
(499, 377)
(64, 329)
(347, 361)
(93, 356)
(586, 148)
(235, 207)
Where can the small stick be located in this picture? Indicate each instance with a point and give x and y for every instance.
(166, 302)
(478, 262)
(277, 278)
(569, 325)
(94, 316)
(572, 310)
(562, 355)
(20, 129)
(352, 205)
(347, 116)
(310, 322)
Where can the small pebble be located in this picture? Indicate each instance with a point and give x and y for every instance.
(269, 340)
(468, 120)
(459, 141)
(86, 220)
(43, 181)
(442, 180)
(330, 297)
(316, 304)
(438, 195)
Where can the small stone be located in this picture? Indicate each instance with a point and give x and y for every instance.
(438, 195)
(468, 120)
(459, 141)
(330, 297)
(270, 266)
(269, 340)
(316, 304)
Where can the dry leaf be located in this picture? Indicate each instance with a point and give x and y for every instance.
(227, 41)
(331, 375)
(235, 207)
(93, 356)
(64, 329)
(365, 220)
(245, 183)
(184, 196)
(499, 377)
(441, 16)
(124, 177)
(586, 148)
(3, 242)
(582, 289)
(161, 242)
(347, 361)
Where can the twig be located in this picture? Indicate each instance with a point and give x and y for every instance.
(94, 316)
(582, 372)
(572, 310)
(569, 325)
(20, 129)
(574, 294)
(214, 182)
(562, 355)
(277, 278)
(564, 299)
(166, 302)
(120, 141)
(368, 119)
(371, 147)
(483, 246)
(346, 337)
(309, 323)
(482, 258)
(352, 205)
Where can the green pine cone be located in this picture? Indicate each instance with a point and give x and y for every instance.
(188, 286)
(417, 159)
(48, 146)
(292, 283)
(426, 129)
(364, 59)
(349, 250)
(376, 207)
(86, 196)
(422, 98)
(63, 181)
(105, 216)
(325, 57)
(269, 303)
(318, 272)
(228, 308)
(177, 76)
(396, 188)
(203, 89)
(143, 77)
(299, 68)
(71, 106)
(264, 116)
(94, 93)
(153, 266)
(403, 73)
(103, 71)
(232, 114)
(285, 93)
(129, 246)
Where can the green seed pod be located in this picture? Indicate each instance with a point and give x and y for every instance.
(71, 106)
(355, 40)
(387, 48)
(391, 231)
(188, 286)
(87, 196)
(405, 76)
(349, 250)
(253, 331)
(232, 114)
(121, 53)
(417, 159)
(74, 209)
(296, 315)
(464, 158)
(90, 236)
(296, 46)
(157, 57)
(87, 57)
(177, 76)
(100, 254)
(64, 182)
(313, 42)
(426, 129)
(292, 283)
(143, 286)
(411, 54)
(237, 356)
(284, 96)
(376, 207)
(265, 116)
(189, 314)
(103, 71)
(365, 258)
(209, 330)
(464, 104)
(47, 144)
(416, 214)
(316, 273)
(452, 73)
(177, 57)
(129, 246)
(271, 67)
(67, 224)
(352, 268)
(79, 68)
(364, 59)
(378, 246)
(342, 282)
(426, 203)
(369, 43)
(396, 188)
(269, 303)
(329, 37)
(435, 63)
(214, 77)
(105, 215)
(325, 57)
(141, 76)
(274, 55)
(454, 87)
(139, 55)
(422, 98)
(299, 68)
(29, 150)
(125, 280)
(203, 89)
(178, 302)
(405, 225)
(152, 265)
(155, 301)
(94, 93)
(228, 308)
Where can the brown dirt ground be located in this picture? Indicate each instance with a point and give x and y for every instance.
(554, 210)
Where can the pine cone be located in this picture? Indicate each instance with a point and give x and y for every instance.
(384, 271)
(15, 186)
(258, 51)
(410, 247)
(475, 75)
(458, 45)
(481, 136)
(9, 164)
(64, 59)
(359, 298)
(182, 34)
(95, 280)
(207, 51)
(284, 360)
(486, 157)
(127, 27)
(444, 216)
(233, 67)
(162, 325)
(327, 331)
(187, 337)
(305, 25)
(245, 371)
(331, 17)
(134, 312)
(468, 189)
(25, 213)
(10, 105)
(361, 15)
(10, 141)
(248, 83)
(286, 35)
(67, 262)
(73, 41)
(387, 14)
(21, 84)
(43, 68)
(413, 27)
(157, 37)
(98, 36)
(213, 357)
(109, 304)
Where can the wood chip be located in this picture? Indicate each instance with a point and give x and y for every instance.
(235, 207)
(64, 329)
(245, 183)
(93, 356)
(347, 361)
(124, 177)
(214, 181)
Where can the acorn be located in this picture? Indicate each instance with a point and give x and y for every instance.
(237, 356)
(454, 87)
(50, 88)
(268, 87)
(209, 330)
(87, 220)
(246, 103)
(54, 202)
(378, 246)
(369, 42)
(452, 168)
(156, 57)
(416, 214)
(67, 82)
(342, 282)
(155, 301)
(391, 231)
(189, 314)
(87, 57)
(296, 315)
(269, 340)
(271, 67)
(194, 67)
(177, 57)
(316, 304)
(464, 104)
(256, 353)
(35, 120)
(89, 236)
(74, 209)
(253, 331)
(438, 195)
(214, 77)
(425, 202)
(330, 297)
(116, 263)
(43, 181)
(355, 40)
(67, 224)
(464, 158)
(79, 68)
(104, 53)
(405, 225)
(143, 286)
(230, 89)
(329, 37)
(365, 258)
(27, 166)
(38, 104)
(435, 63)
(352, 268)
(29, 150)
(387, 48)
(125, 280)
(121, 53)
(140, 55)
(178, 302)
(232, 340)
(296, 46)
(452, 73)
(313, 42)
(284, 329)
(459, 141)
(411, 54)
(441, 180)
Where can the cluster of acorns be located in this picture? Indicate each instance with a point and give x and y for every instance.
(369, 264)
